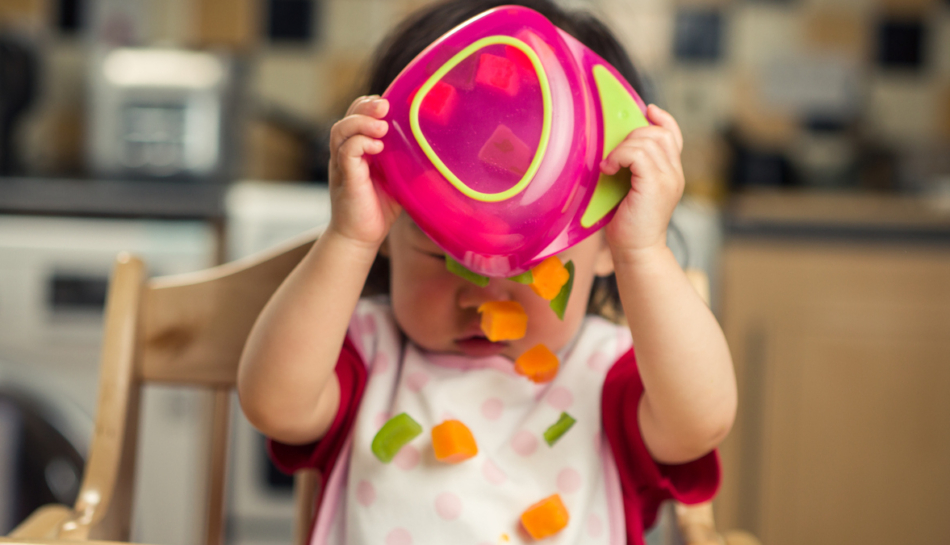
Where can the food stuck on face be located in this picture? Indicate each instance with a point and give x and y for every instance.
(503, 320)
(549, 277)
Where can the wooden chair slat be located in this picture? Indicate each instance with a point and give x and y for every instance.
(108, 475)
(194, 325)
(218, 465)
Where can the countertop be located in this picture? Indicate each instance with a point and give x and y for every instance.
(838, 215)
(113, 198)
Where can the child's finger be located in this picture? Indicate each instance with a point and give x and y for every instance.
(351, 152)
(359, 101)
(353, 125)
(663, 118)
(642, 156)
(662, 136)
(373, 106)
(634, 151)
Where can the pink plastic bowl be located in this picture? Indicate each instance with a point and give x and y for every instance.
(496, 134)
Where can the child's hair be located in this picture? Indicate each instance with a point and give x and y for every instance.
(429, 23)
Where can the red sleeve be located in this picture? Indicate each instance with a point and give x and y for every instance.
(320, 455)
(644, 482)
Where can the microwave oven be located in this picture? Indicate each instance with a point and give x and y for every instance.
(162, 114)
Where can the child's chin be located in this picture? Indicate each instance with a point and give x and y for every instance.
(480, 347)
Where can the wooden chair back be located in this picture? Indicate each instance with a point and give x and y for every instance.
(190, 330)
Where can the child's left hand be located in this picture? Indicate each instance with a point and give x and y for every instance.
(653, 156)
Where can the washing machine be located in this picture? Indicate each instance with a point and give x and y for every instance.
(54, 275)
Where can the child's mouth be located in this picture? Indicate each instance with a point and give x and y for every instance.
(479, 346)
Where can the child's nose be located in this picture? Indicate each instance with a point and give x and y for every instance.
(473, 296)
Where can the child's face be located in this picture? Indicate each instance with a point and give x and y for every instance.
(438, 310)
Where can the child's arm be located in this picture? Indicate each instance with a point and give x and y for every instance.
(689, 398)
(286, 379)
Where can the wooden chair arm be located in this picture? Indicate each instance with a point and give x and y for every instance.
(696, 524)
(44, 523)
(306, 488)
(739, 537)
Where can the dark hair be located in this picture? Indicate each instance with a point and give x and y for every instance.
(429, 23)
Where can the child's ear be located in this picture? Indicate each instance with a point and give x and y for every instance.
(604, 260)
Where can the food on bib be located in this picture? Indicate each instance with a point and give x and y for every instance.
(395, 433)
(457, 268)
(559, 303)
(538, 364)
(558, 429)
(503, 320)
(549, 277)
(545, 518)
(453, 442)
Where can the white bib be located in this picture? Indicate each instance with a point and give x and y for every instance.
(416, 500)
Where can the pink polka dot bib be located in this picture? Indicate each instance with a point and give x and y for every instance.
(417, 500)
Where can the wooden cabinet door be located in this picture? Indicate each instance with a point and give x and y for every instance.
(843, 360)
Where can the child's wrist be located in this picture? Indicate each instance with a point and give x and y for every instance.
(352, 246)
(638, 258)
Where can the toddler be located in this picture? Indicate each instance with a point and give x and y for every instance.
(326, 365)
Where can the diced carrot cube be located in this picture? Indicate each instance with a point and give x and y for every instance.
(503, 320)
(498, 72)
(453, 442)
(538, 364)
(439, 103)
(506, 151)
(549, 277)
(545, 518)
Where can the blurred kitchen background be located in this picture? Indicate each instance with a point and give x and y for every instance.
(194, 132)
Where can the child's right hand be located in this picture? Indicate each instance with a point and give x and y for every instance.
(360, 211)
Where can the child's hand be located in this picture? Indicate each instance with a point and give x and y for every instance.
(653, 156)
(360, 211)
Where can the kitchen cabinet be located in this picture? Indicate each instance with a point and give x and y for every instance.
(837, 312)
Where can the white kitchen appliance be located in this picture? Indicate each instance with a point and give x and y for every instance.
(53, 277)
(162, 113)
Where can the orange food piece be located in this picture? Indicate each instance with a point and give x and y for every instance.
(549, 277)
(545, 518)
(538, 364)
(453, 442)
(503, 320)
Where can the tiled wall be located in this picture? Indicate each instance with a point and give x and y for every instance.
(851, 75)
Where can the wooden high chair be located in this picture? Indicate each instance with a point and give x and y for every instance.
(189, 330)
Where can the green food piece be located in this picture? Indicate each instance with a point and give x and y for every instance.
(559, 303)
(395, 433)
(523, 278)
(559, 428)
(457, 268)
